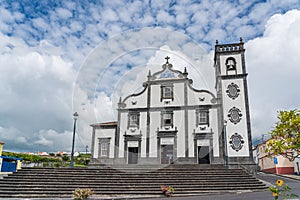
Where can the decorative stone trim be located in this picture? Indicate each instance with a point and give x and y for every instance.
(234, 115)
(163, 124)
(233, 76)
(133, 137)
(137, 115)
(236, 142)
(233, 91)
(201, 136)
(168, 133)
(198, 113)
(163, 87)
(230, 48)
(102, 141)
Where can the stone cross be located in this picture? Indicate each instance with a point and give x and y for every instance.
(167, 58)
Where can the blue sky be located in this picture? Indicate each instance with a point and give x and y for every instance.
(46, 46)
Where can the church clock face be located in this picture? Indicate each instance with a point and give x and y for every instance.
(233, 91)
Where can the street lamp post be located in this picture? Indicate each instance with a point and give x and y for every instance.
(225, 142)
(86, 149)
(75, 116)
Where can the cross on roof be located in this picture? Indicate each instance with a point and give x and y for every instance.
(167, 58)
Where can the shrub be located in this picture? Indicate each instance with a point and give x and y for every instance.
(80, 194)
(282, 190)
(167, 190)
(65, 158)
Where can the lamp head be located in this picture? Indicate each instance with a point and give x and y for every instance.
(75, 115)
(225, 122)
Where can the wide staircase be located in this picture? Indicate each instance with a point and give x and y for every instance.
(127, 181)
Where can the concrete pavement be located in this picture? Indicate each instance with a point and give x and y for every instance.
(268, 179)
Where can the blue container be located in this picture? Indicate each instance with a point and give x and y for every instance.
(9, 164)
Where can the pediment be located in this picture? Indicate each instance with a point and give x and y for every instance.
(167, 73)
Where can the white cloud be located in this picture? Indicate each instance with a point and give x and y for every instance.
(181, 19)
(12, 134)
(18, 16)
(40, 23)
(6, 15)
(273, 65)
(110, 14)
(76, 26)
(146, 20)
(63, 13)
(43, 141)
(159, 5)
(200, 18)
(37, 88)
(245, 31)
(164, 17)
(42, 47)
(218, 33)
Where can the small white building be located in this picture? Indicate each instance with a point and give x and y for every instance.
(170, 121)
(276, 164)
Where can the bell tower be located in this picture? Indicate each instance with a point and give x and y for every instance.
(232, 94)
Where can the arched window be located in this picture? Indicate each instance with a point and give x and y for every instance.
(230, 65)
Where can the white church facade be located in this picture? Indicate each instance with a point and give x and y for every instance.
(170, 121)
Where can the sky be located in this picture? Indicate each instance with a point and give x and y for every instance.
(58, 57)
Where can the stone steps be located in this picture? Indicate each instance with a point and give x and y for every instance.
(132, 175)
(105, 181)
(126, 172)
(126, 187)
(49, 171)
(130, 170)
(76, 185)
(129, 182)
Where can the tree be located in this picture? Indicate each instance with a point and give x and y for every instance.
(285, 137)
